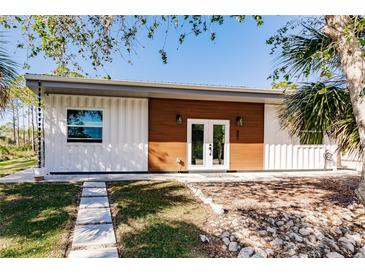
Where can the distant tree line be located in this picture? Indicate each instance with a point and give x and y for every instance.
(21, 109)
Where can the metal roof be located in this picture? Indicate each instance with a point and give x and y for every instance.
(123, 88)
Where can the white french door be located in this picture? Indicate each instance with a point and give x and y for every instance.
(208, 144)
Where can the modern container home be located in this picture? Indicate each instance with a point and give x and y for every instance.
(107, 126)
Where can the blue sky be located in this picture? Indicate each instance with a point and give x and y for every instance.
(239, 56)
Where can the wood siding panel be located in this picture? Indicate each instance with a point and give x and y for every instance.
(167, 140)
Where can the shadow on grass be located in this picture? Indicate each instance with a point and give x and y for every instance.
(157, 219)
(163, 240)
(137, 200)
(34, 218)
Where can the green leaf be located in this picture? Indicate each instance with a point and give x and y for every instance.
(322, 91)
(163, 55)
(212, 36)
(182, 38)
(362, 93)
(240, 18)
(258, 20)
(362, 42)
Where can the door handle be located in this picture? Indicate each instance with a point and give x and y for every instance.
(210, 149)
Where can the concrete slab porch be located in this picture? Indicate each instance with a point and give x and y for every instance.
(27, 176)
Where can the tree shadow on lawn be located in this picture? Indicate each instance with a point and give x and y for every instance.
(136, 200)
(35, 218)
(164, 240)
(158, 219)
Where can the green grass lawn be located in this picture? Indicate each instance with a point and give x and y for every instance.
(157, 219)
(36, 219)
(11, 166)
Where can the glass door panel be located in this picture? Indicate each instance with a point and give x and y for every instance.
(218, 144)
(197, 144)
(208, 144)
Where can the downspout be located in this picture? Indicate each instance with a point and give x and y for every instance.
(39, 125)
(39, 172)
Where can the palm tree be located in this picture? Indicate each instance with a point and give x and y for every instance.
(7, 73)
(322, 107)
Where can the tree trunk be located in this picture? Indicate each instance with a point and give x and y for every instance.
(17, 126)
(23, 125)
(340, 28)
(28, 125)
(339, 158)
(14, 121)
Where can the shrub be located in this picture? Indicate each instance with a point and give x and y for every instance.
(8, 152)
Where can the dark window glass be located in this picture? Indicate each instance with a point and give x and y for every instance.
(85, 133)
(197, 144)
(218, 144)
(84, 126)
(84, 117)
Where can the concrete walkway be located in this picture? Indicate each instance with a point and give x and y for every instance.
(93, 235)
(27, 176)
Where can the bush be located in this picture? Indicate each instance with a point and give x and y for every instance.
(4, 150)
(8, 152)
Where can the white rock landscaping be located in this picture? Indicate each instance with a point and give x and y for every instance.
(334, 255)
(233, 246)
(203, 238)
(319, 221)
(245, 252)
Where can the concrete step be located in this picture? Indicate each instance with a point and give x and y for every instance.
(89, 235)
(94, 202)
(94, 184)
(92, 192)
(110, 252)
(93, 216)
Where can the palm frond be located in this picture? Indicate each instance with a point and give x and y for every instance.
(7, 73)
(346, 133)
(311, 111)
(307, 52)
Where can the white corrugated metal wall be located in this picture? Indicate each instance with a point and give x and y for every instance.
(283, 151)
(125, 135)
(352, 160)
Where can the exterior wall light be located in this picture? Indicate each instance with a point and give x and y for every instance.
(239, 121)
(179, 119)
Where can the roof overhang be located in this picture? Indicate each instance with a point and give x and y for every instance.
(137, 89)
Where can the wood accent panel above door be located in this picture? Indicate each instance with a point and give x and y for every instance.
(167, 139)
